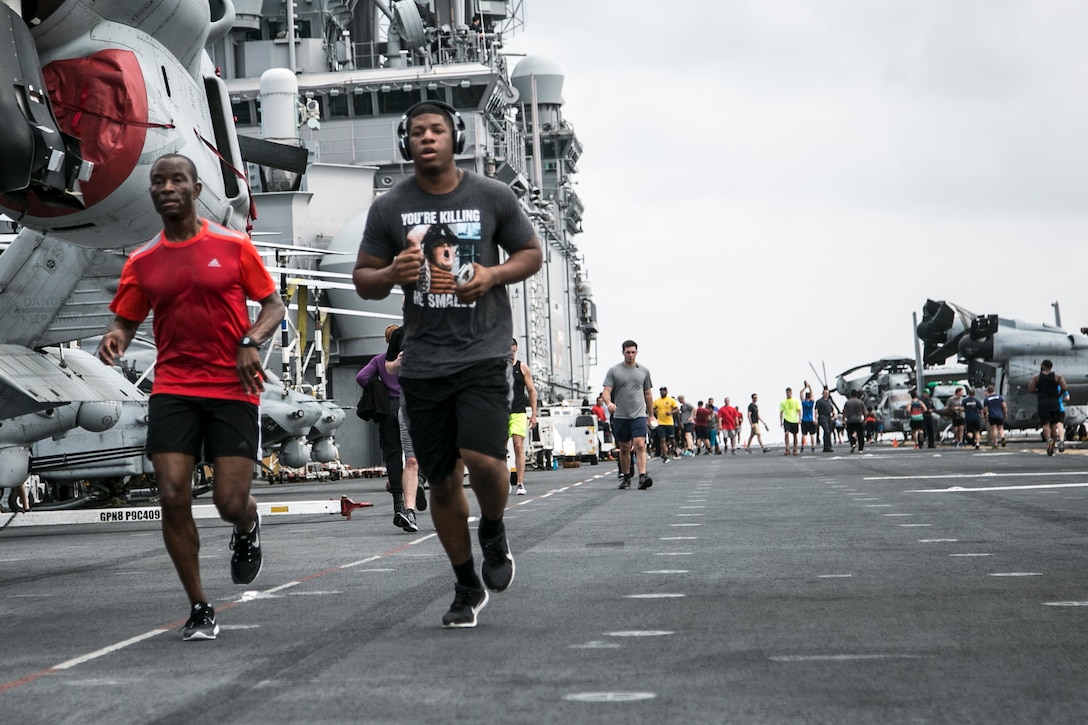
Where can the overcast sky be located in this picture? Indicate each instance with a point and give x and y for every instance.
(773, 183)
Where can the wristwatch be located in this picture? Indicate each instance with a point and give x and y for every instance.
(248, 341)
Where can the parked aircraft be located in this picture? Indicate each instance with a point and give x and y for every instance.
(1008, 353)
(296, 426)
(886, 387)
(99, 90)
(101, 443)
(130, 97)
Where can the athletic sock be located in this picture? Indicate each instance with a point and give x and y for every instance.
(490, 528)
(466, 574)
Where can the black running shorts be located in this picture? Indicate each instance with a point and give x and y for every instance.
(1047, 417)
(221, 428)
(467, 409)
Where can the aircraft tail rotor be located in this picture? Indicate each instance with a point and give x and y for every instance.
(823, 380)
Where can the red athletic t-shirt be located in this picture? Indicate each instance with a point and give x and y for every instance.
(197, 290)
(729, 417)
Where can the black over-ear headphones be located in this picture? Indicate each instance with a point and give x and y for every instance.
(458, 128)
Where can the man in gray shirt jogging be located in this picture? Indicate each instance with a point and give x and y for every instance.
(438, 235)
(627, 395)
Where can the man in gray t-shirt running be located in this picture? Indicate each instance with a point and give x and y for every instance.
(442, 235)
(627, 395)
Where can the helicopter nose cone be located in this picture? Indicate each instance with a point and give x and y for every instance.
(976, 349)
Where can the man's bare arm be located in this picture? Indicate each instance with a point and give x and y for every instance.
(116, 339)
(606, 393)
(529, 386)
(268, 319)
(374, 277)
(247, 360)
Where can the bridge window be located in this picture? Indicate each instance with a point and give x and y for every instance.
(469, 98)
(337, 105)
(243, 112)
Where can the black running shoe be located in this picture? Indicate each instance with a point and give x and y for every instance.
(644, 481)
(421, 498)
(201, 624)
(498, 567)
(625, 482)
(245, 565)
(410, 524)
(467, 601)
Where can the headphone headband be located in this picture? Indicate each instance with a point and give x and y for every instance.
(455, 118)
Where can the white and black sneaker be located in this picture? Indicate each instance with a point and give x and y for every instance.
(467, 602)
(409, 521)
(400, 520)
(245, 565)
(201, 624)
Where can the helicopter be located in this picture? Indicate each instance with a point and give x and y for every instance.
(887, 387)
(99, 90)
(100, 444)
(1007, 353)
(143, 96)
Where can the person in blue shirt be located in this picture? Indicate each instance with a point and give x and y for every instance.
(1063, 398)
(972, 418)
(996, 412)
(808, 418)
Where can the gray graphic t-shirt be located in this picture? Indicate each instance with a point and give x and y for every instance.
(469, 224)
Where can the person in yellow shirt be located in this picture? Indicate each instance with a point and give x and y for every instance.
(789, 416)
(664, 408)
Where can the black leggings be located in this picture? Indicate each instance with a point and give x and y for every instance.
(389, 440)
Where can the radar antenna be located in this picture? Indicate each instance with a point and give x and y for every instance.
(409, 25)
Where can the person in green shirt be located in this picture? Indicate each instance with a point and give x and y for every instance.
(789, 417)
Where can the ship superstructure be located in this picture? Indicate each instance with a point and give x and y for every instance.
(334, 77)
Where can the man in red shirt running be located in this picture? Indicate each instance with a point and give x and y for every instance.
(196, 275)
